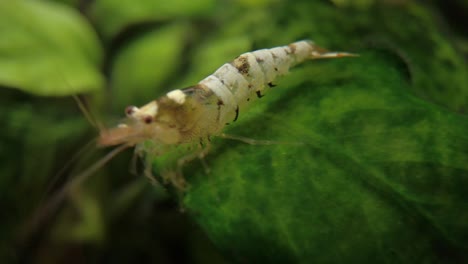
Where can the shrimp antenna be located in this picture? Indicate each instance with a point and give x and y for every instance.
(82, 106)
(42, 213)
(93, 121)
(67, 165)
(80, 152)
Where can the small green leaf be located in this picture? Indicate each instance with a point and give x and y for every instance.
(47, 49)
(143, 65)
(112, 17)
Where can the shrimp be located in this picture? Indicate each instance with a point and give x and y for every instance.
(203, 110)
(194, 114)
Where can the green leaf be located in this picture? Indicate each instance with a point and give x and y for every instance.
(379, 176)
(111, 17)
(142, 67)
(47, 49)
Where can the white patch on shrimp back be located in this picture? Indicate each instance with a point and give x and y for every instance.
(256, 76)
(177, 96)
(282, 60)
(303, 50)
(266, 63)
(223, 93)
(216, 86)
(232, 79)
(150, 109)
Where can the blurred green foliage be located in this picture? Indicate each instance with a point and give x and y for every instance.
(380, 174)
(48, 49)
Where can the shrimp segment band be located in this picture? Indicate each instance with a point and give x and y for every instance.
(186, 115)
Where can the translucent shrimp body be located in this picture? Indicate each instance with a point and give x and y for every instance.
(190, 114)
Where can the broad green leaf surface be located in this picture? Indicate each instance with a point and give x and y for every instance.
(112, 17)
(47, 49)
(381, 27)
(380, 175)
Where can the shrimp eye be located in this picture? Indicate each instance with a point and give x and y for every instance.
(148, 119)
(129, 110)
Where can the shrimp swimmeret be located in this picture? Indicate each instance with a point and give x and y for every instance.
(193, 114)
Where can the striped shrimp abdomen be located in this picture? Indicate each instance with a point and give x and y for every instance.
(252, 74)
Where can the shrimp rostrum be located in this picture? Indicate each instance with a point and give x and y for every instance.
(195, 113)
